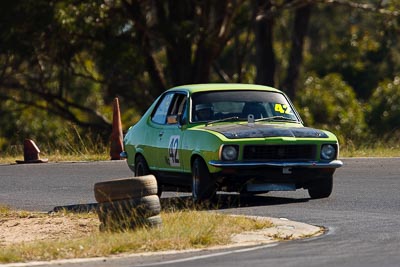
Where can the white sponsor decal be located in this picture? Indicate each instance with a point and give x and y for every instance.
(173, 151)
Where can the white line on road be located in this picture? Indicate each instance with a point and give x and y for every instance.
(211, 255)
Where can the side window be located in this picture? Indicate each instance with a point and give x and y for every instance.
(161, 112)
(177, 108)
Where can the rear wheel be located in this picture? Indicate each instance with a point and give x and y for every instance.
(203, 185)
(321, 188)
(142, 168)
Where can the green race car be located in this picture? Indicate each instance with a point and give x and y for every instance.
(245, 138)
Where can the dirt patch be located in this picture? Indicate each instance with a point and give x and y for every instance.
(21, 228)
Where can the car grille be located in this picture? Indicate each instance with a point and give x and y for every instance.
(279, 152)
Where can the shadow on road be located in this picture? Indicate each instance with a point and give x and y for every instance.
(225, 201)
(222, 201)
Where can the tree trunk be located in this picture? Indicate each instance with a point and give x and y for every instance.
(202, 64)
(265, 56)
(302, 18)
(212, 39)
(133, 9)
(174, 17)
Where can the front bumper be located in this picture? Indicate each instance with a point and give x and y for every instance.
(277, 164)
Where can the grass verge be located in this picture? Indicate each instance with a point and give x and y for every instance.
(180, 230)
(384, 152)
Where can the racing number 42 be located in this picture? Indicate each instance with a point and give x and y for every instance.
(173, 151)
(282, 108)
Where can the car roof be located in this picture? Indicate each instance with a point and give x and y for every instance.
(194, 88)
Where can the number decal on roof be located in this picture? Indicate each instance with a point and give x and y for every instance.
(283, 109)
(173, 151)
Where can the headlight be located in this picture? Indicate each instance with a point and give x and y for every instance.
(328, 152)
(229, 153)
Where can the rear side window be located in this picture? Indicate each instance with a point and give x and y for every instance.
(160, 113)
(172, 104)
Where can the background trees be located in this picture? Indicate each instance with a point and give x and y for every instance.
(62, 62)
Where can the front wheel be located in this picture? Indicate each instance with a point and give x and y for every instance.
(321, 188)
(203, 185)
(141, 167)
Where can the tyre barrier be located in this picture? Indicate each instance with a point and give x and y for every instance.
(125, 188)
(128, 203)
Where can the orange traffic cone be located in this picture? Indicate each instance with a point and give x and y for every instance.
(31, 153)
(116, 135)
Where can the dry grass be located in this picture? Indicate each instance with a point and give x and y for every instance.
(384, 152)
(387, 146)
(58, 156)
(180, 230)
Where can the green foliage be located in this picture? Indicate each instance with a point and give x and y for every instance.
(57, 139)
(384, 113)
(331, 104)
(361, 46)
(64, 61)
(47, 78)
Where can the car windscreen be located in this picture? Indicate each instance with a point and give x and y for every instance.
(214, 105)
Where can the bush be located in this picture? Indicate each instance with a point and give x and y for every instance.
(329, 103)
(384, 111)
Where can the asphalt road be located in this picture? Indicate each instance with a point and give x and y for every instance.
(362, 215)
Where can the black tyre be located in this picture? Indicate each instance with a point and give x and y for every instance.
(321, 188)
(203, 185)
(129, 214)
(125, 188)
(142, 168)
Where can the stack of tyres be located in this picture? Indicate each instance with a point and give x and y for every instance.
(128, 203)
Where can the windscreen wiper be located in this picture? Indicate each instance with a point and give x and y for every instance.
(221, 120)
(276, 118)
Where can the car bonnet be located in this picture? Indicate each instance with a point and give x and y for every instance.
(261, 131)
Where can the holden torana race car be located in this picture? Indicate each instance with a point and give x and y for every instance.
(244, 138)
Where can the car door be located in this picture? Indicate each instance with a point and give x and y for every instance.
(155, 132)
(170, 139)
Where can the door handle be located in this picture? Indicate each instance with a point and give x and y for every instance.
(161, 133)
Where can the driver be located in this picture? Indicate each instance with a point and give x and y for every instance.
(204, 112)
